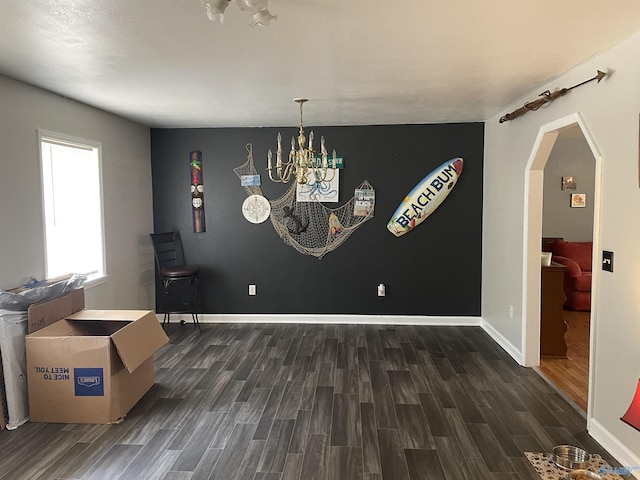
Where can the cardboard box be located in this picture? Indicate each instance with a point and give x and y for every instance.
(45, 313)
(89, 366)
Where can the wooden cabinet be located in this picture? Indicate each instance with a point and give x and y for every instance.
(552, 325)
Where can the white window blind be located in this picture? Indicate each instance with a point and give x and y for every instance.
(72, 199)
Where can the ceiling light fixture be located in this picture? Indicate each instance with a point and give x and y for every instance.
(303, 161)
(257, 8)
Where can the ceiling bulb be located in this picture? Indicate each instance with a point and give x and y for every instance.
(258, 8)
(215, 9)
(252, 6)
(263, 18)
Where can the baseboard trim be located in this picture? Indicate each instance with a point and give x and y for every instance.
(506, 345)
(330, 319)
(357, 320)
(616, 448)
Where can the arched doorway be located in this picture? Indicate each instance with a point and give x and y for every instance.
(534, 176)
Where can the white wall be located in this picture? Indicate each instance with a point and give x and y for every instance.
(126, 169)
(610, 111)
(569, 157)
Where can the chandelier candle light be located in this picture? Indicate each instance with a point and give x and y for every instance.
(302, 161)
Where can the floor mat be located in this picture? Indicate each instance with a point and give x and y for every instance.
(548, 470)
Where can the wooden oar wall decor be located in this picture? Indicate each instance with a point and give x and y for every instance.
(546, 97)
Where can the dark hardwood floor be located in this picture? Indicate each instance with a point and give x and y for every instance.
(316, 402)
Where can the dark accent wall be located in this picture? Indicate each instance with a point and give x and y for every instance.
(433, 270)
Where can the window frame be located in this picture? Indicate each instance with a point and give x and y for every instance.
(55, 138)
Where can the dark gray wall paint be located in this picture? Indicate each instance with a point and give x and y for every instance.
(433, 270)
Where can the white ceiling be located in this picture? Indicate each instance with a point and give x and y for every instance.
(164, 64)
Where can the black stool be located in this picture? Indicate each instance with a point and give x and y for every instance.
(172, 269)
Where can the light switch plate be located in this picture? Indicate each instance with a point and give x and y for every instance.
(607, 261)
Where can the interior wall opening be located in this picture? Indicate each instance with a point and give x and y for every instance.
(567, 235)
(563, 149)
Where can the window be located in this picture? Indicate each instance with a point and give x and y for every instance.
(72, 201)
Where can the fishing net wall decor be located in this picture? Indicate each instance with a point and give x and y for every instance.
(310, 227)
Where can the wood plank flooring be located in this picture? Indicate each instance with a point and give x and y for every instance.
(571, 374)
(316, 402)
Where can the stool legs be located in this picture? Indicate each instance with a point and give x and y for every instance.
(194, 282)
(194, 303)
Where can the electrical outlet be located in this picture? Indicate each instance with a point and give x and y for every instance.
(252, 289)
(382, 290)
(510, 311)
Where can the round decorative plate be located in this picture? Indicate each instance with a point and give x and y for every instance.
(256, 209)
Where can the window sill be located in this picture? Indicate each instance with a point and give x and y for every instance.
(94, 282)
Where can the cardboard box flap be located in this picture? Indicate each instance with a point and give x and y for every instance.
(135, 342)
(108, 315)
(44, 314)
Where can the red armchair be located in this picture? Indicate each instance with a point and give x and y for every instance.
(576, 256)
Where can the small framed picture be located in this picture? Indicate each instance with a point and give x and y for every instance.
(569, 183)
(578, 200)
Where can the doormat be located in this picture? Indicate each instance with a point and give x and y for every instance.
(543, 464)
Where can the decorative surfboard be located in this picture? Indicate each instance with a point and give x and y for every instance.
(425, 197)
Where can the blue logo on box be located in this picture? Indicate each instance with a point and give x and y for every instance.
(88, 382)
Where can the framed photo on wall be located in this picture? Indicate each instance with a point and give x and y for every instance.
(569, 183)
(578, 200)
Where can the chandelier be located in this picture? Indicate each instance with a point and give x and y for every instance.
(303, 161)
(258, 8)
